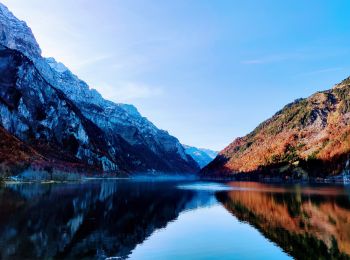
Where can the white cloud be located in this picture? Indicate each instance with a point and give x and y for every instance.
(128, 91)
(78, 63)
(274, 58)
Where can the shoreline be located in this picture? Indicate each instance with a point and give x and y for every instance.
(13, 181)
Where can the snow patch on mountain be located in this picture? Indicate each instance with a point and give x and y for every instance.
(202, 156)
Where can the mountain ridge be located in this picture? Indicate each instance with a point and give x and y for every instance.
(306, 138)
(42, 101)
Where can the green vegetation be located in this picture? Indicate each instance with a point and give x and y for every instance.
(275, 158)
(312, 156)
(295, 115)
(345, 81)
(344, 106)
(344, 95)
(290, 154)
(300, 145)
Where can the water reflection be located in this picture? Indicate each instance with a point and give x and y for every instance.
(307, 222)
(90, 220)
(99, 219)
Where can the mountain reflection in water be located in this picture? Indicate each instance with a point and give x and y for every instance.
(110, 218)
(307, 222)
(89, 220)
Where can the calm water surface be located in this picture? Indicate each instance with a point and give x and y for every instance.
(133, 219)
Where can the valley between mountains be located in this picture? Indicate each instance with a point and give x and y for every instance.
(50, 120)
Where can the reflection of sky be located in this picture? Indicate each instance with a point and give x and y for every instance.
(205, 186)
(207, 233)
(207, 71)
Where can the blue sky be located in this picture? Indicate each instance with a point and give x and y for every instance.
(206, 71)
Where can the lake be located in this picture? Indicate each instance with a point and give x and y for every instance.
(143, 219)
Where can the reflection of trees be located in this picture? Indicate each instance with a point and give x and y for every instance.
(308, 226)
(84, 220)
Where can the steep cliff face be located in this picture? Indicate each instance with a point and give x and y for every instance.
(42, 116)
(43, 104)
(309, 137)
(154, 148)
(15, 34)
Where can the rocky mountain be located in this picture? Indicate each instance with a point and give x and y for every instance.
(307, 138)
(200, 155)
(57, 115)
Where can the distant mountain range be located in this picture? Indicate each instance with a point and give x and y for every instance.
(55, 120)
(200, 155)
(307, 138)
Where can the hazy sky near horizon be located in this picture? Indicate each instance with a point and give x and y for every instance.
(206, 71)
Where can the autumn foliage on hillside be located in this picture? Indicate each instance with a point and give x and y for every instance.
(308, 137)
(294, 218)
(14, 154)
